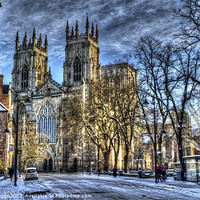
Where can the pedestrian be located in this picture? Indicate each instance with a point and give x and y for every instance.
(159, 171)
(11, 172)
(163, 172)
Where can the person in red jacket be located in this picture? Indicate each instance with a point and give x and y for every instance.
(163, 172)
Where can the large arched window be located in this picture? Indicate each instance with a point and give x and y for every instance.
(25, 77)
(47, 123)
(77, 70)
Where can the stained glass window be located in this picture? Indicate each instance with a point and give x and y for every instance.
(25, 77)
(47, 122)
(77, 70)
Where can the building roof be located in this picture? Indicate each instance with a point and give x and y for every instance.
(3, 108)
(117, 65)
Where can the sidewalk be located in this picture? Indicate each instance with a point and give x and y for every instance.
(9, 191)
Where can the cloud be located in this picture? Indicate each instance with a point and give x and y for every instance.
(121, 24)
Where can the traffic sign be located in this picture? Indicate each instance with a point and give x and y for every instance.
(11, 147)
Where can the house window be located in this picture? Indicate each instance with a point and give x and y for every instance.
(25, 78)
(47, 123)
(77, 70)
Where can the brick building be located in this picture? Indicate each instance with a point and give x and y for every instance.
(5, 93)
(3, 124)
(5, 106)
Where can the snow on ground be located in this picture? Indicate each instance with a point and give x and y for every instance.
(45, 187)
(9, 191)
(182, 187)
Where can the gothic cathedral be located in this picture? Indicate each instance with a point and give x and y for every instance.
(31, 79)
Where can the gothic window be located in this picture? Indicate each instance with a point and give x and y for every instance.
(47, 123)
(22, 110)
(77, 70)
(25, 78)
(39, 77)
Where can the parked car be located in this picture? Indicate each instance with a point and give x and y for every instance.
(31, 173)
(170, 172)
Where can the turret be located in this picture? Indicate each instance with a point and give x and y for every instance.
(92, 31)
(34, 37)
(29, 44)
(46, 43)
(77, 30)
(49, 72)
(40, 41)
(72, 33)
(97, 33)
(67, 31)
(87, 26)
(17, 42)
(25, 41)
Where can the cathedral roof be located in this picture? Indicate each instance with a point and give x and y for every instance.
(50, 87)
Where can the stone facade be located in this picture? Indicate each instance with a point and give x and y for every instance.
(32, 78)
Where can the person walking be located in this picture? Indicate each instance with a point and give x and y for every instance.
(159, 171)
(11, 172)
(163, 173)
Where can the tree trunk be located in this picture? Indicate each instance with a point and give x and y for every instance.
(115, 162)
(180, 151)
(126, 161)
(137, 163)
(106, 161)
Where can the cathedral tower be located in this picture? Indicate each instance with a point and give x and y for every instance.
(30, 63)
(81, 56)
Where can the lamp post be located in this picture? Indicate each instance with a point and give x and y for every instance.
(16, 144)
(163, 132)
(6, 131)
(98, 158)
(27, 103)
(155, 134)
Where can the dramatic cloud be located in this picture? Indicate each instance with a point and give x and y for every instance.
(121, 24)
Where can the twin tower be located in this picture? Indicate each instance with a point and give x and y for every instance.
(81, 59)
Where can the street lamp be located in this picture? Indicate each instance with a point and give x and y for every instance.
(155, 133)
(162, 134)
(27, 103)
(98, 158)
(6, 131)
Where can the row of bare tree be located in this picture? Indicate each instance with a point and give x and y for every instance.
(169, 74)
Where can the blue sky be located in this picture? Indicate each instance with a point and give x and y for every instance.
(121, 24)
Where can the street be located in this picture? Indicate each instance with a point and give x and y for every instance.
(83, 186)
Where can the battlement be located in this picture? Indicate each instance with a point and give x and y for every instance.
(75, 35)
(33, 43)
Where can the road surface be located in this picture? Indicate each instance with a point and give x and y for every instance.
(73, 186)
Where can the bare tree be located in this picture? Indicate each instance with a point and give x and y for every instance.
(189, 14)
(172, 90)
(122, 104)
(92, 118)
